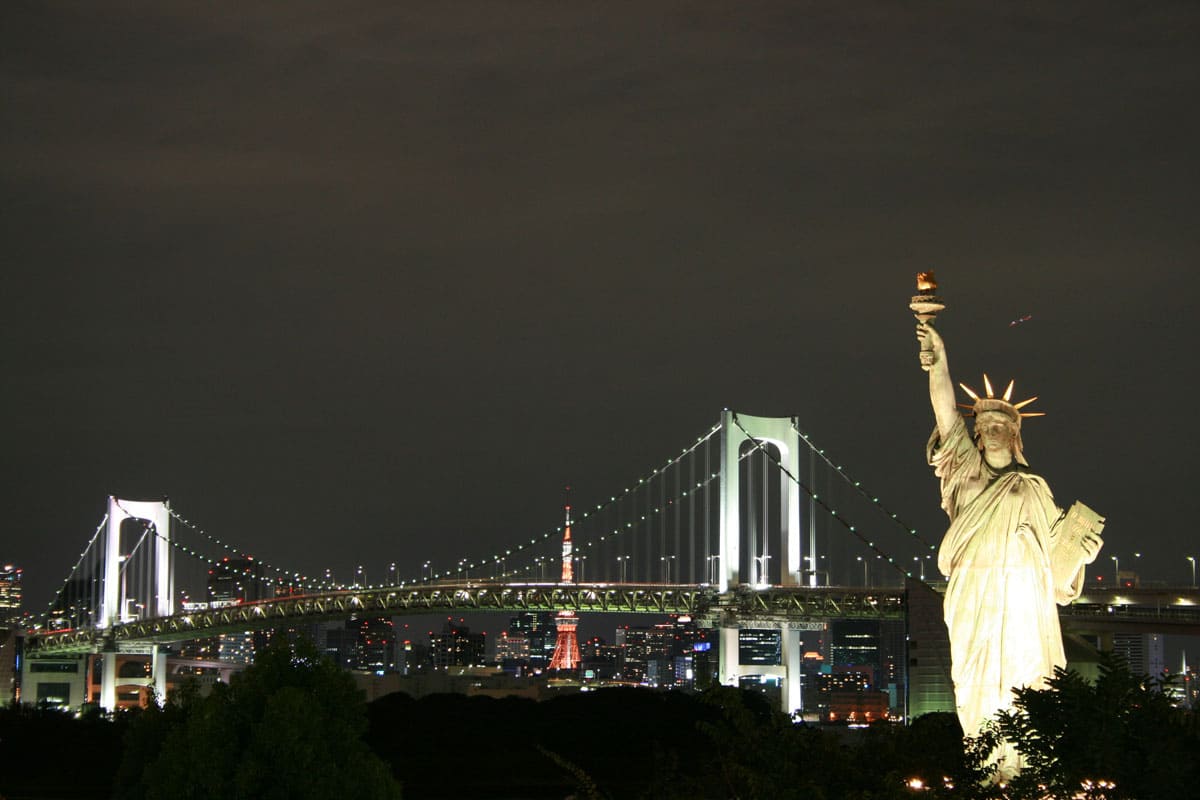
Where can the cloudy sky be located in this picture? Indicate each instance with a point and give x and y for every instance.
(371, 281)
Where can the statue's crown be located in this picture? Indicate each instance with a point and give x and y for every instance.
(1000, 404)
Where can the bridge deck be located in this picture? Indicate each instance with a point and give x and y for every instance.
(1174, 610)
(704, 603)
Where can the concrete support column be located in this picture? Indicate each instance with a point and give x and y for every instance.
(736, 429)
(108, 682)
(158, 670)
(730, 511)
(792, 664)
(729, 670)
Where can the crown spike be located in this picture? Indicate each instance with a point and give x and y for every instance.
(1033, 413)
(969, 391)
(1008, 391)
(1024, 403)
(987, 386)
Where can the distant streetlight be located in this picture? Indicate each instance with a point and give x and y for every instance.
(666, 562)
(1116, 570)
(864, 563)
(762, 568)
(622, 564)
(1193, 560)
(713, 568)
(427, 570)
(582, 563)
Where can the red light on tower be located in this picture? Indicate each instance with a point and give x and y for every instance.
(566, 646)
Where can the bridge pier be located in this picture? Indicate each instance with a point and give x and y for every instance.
(158, 673)
(160, 602)
(789, 670)
(108, 680)
(736, 430)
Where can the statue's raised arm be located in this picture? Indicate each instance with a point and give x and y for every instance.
(941, 387)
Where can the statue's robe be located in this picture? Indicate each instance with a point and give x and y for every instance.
(1000, 602)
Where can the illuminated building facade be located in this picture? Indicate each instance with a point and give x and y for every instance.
(648, 654)
(930, 687)
(538, 628)
(9, 644)
(600, 661)
(339, 643)
(850, 696)
(412, 658)
(854, 643)
(10, 595)
(456, 646)
(759, 647)
(512, 652)
(1142, 651)
(376, 645)
(675, 654)
(10, 612)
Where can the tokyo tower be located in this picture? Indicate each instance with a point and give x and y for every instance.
(566, 646)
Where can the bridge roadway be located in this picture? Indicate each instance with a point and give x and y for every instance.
(1146, 609)
(702, 602)
(1162, 610)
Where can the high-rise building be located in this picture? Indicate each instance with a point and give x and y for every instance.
(759, 647)
(538, 628)
(376, 649)
(412, 658)
(855, 643)
(691, 649)
(930, 687)
(648, 654)
(512, 652)
(456, 646)
(1142, 651)
(600, 661)
(9, 648)
(339, 643)
(10, 595)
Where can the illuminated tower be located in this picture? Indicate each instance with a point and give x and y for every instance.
(566, 647)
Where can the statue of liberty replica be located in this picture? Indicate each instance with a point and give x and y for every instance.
(1010, 553)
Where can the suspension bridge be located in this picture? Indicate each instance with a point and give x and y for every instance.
(751, 525)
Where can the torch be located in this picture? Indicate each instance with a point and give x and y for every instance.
(926, 305)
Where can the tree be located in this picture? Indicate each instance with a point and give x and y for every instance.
(290, 726)
(1121, 729)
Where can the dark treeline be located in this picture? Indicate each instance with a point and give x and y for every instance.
(293, 726)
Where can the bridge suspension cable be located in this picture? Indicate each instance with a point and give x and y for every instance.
(853, 529)
(294, 578)
(614, 528)
(66, 613)
(858, 488)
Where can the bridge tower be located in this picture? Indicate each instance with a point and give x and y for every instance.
(113, 604)
(566, 646)
(780, 432)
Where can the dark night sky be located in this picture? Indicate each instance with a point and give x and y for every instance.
(371, 281)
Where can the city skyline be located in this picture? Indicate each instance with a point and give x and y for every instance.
(390, 278)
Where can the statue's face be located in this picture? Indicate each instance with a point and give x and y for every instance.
(995, 432)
